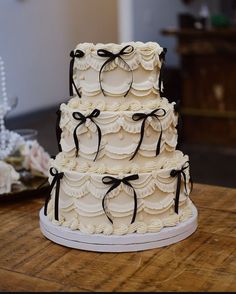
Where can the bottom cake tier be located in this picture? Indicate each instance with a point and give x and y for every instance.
(121, 204)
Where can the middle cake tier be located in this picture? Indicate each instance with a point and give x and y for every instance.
(117, 137)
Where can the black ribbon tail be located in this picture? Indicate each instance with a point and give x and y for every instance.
(179, 173)
(49, 195)
(99, 140)
(56, 208)
(104, 209)
(58, 130)
(100, 73)
(71, 76)
(162, 58)
(158, 148)
(71, 79)
(140, 140)
(132, 76)
(160, 81)
(177, 195)
(115, 185)
(79, 116)
(185, 183)
(76, 140)
(135, 207)
(111, 56)
(46, 204)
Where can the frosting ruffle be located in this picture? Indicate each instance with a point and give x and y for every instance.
(139, 227)
(144, 54)
(138, 89)
(82, 193)
(114, 120)
(76, 183)
(122, 125)
(76, 104)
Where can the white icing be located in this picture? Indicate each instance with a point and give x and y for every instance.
(77, 104)
(117, 125)
(143, 61)
(82, 189)
(83, 193)
(144, 54)
(138, 89)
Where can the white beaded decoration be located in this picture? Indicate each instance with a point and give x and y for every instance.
(3, 105)
(8, 140)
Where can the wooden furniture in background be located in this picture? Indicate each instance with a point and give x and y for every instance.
(208, 71)
(203, 262)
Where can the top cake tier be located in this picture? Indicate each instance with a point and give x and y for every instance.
(125, 71)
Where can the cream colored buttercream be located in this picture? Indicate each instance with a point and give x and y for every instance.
(144, 61)
(81, 188)
(120, 133)
(81, 195)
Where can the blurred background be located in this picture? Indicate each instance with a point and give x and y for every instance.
(37, 36)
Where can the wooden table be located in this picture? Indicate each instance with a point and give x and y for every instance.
(206, 261)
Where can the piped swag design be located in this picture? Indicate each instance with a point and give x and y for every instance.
(82, 120)
(111, 57)
(157, 113)
(115, 182)
(179, 173)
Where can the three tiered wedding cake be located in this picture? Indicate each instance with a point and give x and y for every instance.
(118, 172)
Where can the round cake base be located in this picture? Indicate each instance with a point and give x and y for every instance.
(114, 243)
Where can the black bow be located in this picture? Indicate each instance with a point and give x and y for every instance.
(58, 129)
(179, 173)
(56, 181)
(79, 116)
(73, 55)
(144, 116)
(162, 59)
(112, 56)
(115, 183)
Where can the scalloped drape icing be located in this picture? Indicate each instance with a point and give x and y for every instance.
(82, 194)
(144, 54)
(144, 58)
(117, 125)
(118, 90)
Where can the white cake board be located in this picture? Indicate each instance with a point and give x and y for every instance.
(114, 243)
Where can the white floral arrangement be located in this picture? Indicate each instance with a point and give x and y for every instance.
(36, 159)
(8, 177)
(31, 157)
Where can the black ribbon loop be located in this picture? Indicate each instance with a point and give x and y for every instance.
(144, 117)
(180, 173)
(162, 59)
(80, 117)
(56, 181)
(77, 54)
(112, 56)
(108, 180)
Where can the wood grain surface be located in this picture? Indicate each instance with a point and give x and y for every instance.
(206, 261)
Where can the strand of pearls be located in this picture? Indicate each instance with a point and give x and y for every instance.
(13, 142)
(3, 104)
(9, 141)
